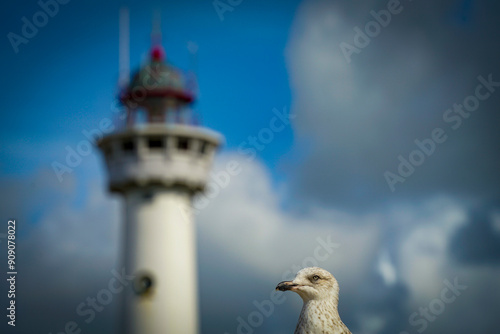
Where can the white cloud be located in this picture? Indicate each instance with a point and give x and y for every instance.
(247, 220)
(333, 97)
(81, 238)
(424, 256)
(360, 116)
(387, 269)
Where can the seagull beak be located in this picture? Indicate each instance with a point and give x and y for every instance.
(286, 285)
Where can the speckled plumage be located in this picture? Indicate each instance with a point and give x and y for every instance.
(320, 292)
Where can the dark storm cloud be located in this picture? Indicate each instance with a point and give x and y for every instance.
(65, 253)
(477, 243)
(364, 114)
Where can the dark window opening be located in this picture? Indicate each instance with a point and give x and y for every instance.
(108, 152)
(183, 143)
(128, 146)
(147, 195)
(203, 147)
(156, 143)
(143, 284)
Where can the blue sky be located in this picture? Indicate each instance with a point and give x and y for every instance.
(69, 70)
(355, 119)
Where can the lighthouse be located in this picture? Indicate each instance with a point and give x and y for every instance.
(157, 161)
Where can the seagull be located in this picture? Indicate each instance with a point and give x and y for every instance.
(320, 292)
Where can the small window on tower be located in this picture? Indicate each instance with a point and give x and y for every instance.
(183, 144)
(203, 147)
(156, 143)
(108, 152)
(128, 146)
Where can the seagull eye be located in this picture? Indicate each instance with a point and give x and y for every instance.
(315, 277)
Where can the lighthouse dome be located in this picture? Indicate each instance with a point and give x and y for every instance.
(157, 78)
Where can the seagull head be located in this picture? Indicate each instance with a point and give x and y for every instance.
(312, 283)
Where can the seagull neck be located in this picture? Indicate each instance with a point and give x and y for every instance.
(332, 300)
(330, 304)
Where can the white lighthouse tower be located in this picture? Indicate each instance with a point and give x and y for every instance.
(157, 162)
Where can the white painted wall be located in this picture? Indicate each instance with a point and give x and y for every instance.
(160, 240)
